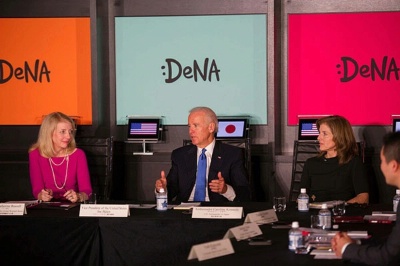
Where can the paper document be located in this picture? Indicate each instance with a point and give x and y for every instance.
(318, 205)
(187, 205)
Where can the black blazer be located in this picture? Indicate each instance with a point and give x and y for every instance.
(387, 253)
(226, 159)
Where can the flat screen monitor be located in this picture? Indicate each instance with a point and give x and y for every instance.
(144, 130)
(232, 128)
(396, 124)
(308, 129)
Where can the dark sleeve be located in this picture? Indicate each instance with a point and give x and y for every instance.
(172, 178)
(360, 179)
(387, 253)
(239, 178)
(305, 177)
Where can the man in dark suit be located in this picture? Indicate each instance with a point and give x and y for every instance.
(387, 253)
(226, 175)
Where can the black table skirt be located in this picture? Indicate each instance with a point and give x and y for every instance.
(150, 237)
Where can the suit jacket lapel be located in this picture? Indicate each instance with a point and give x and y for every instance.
(191, 162)
(216, 162)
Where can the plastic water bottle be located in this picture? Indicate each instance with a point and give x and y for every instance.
(295, 237)
(302, 201)
(325, 217)
(162, 200)
(396, 200)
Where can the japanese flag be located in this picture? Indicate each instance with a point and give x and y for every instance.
(230, 129)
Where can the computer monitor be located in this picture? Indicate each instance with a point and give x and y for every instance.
(308, 129)
(232, 128)
(144, 130)
(396, 124)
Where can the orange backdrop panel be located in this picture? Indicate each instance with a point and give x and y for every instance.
(45, 66)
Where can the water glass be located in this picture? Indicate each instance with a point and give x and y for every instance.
(315, 222)
(92, 199)
(339, 207)
(279, 204)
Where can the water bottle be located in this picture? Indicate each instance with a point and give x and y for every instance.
(295, 237)
(396, 200)
(325, 217)
(162, 200)
(302, 201)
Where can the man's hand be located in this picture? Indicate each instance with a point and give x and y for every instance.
(161, 182)
(338, 241)
(218, 185)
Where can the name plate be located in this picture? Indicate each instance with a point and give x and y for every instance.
(12, 209)
(244, 231)
(211, 250)
(104, 210)
(217, 212)
(262, 217)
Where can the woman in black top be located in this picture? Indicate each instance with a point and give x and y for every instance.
(337, 173)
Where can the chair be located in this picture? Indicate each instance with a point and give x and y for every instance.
(301, 152)
(99, 154)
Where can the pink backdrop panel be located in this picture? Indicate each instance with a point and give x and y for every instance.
(346, 64)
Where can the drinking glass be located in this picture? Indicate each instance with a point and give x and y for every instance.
(279, 204)
(315, 223)
(339, 207)
(92, 199)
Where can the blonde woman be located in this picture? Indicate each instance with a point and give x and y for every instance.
(58, 169)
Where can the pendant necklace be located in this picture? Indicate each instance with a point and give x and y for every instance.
(66, 157)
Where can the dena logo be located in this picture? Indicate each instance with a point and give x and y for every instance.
(35, 72)
(175, 70)
(386, 69)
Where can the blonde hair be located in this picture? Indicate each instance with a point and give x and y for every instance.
(343, 136)
(45, 138)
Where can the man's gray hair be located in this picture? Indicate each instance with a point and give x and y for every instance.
(210, 115)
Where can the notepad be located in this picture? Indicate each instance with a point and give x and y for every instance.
(318, 205)
(187, 205)
(58, 205)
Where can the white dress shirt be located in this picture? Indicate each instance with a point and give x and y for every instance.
(230, 192)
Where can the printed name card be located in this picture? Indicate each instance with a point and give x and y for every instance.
(104, 210)
(262, 217)
(211, 250)
(244, 231)
(217, 212)
(12, 209)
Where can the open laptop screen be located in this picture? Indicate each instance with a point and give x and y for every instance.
(308, 129)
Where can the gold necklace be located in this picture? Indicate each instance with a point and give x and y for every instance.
(66, 171)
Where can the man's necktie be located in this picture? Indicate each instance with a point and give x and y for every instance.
(200, 192)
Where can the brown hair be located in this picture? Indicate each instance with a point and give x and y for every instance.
(45, 141)
(343, 136)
